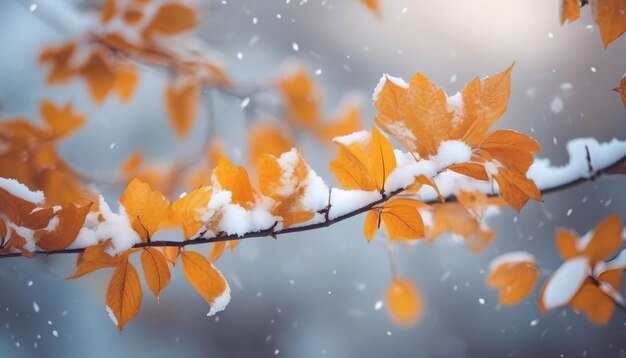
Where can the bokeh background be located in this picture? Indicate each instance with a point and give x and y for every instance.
(315, 294)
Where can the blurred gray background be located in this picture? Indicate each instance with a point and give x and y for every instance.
(314, 294)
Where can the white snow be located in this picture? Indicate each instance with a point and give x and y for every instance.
(451, 152)
(21, 191)
(602, 155)
(511, 258)
(381, 84)
(356, 137)
(556, 106)
(345, 201)
(565, 282)
(111, 315)
(220, 302)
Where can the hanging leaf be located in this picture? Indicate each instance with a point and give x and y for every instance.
(404, 301)
(181, 103)
(155, 270)
(206, 279)
(71, 219)
(124, 295)
(514, 275)
(144, 207)
(234, 179)
(384, 160)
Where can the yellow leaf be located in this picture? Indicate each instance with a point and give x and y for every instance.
(371, 224)
(302, 98)
(402, 220)
(404, 302)
(515, 187)
(511, 148)
(217, 250)
(124, 295)
(611, 18)
(190, 208)
(514, 280)
(181, 103)
(384, 160)
(234, 179)
(144, 205)
(470, 169)
(155, 270)
(353, 165)
(206, 279)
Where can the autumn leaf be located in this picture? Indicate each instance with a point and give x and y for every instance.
(235, 179)
(267, 138)
(144, 207)
(347, 121)
(373, 6)
(400, 217)
(302, 97)
(99, 75)
(570, 10)
(514, 275)
(62, 121)
(59, 59)
(350, 172)
(94, 258)
(108, 11)
(124, 295)
(155, 270)
(217, 250)
(206, 279)
(171, 19)
(126, 81)
(611, 18)
(404, 301)
(384, 160)
(190, 208)
(71, 219)
(181, 104)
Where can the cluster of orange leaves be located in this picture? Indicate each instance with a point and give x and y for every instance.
(594, 290)
(610, 15)
(139, 32)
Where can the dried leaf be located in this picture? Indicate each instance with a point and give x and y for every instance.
(570, 10)
(611, 18)
(71, 219)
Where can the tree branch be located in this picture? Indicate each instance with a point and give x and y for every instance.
(271, 232)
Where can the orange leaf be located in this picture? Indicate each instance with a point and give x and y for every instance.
(303, 98)
(402, 220)
(172, 19)
(511, 148)
(94, 258)
(267, 138)
(59, 58)
(171, 254)
(353, 166)
(348, 121)
(71, 219)
(570, 10)
(181, 103)
(606, 239)
(296, 217)
(611, 18)
(515, 187)
(216, 251)
(190, 208)
(99, 75)
(384, 160)
(108, 11)
(234, 179)
(372, 222)
(567, 244)
(126, 79)
(145, 206)
(596, 304)
(470, 169)
(155, 270)
(206, 279)
(124, 295)
(404, 302)
(514, 276)
(61, 120)
(484, 102)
